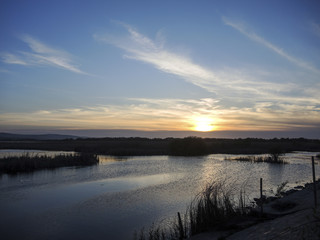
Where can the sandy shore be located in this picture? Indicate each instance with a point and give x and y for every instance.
(291, 217)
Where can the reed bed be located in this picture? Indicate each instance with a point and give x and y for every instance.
(211, 209)
(30, 163)
(272, 158)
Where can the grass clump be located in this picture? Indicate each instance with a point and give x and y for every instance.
(271, 158)
(212, 209)
(28, 163)
(252, 159)
(280, 189)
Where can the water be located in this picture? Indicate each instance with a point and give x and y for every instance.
(120, 195)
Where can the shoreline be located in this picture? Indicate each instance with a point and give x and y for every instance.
(291, 217)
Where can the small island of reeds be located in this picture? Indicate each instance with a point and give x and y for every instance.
(272, 158)
(30, 163)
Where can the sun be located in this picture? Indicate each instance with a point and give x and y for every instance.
(203, 125)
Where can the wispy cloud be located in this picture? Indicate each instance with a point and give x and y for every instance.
(253, 36)
(142, 48)
(41, 54)
(13, 59)
(172, 114)
(246, 98)
(133, 113)
(224, 83)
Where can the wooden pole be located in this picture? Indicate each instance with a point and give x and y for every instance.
(314, 183)
(261, 197)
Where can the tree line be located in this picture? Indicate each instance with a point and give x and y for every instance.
(189, 146)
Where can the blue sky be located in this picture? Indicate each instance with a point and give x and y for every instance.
(160, 65)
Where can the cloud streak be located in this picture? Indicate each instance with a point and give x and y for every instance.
(41, 54)
(253, 36)
(142, 48)
(224, 83)
(172, 114)
(247, 99)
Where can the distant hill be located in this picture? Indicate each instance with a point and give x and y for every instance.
(12, 137)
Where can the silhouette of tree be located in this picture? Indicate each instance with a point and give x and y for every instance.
(190, 146)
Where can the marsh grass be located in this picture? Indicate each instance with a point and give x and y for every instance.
(30, 163)
(281, 189)
(211, 209)
(215, 206)
(271, 158)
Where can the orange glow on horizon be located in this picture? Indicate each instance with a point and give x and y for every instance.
(203, 124)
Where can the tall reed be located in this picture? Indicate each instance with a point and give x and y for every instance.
(211, 209)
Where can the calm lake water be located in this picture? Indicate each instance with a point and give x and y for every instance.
(120, 195)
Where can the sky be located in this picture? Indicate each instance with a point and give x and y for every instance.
(173, 66)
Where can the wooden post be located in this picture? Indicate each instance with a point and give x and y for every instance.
(314, 183)
(261, 198)
(181, 232)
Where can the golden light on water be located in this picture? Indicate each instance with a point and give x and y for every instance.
(203, 124)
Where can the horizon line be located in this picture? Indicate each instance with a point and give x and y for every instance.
(104, 133)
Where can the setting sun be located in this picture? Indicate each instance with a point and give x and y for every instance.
(203, 125)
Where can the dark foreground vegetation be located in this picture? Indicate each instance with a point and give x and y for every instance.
(215, 208)
(224, 210)
(191, 146)
(29, 163)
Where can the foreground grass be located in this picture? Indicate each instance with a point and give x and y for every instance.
(28, 163)
(212, 209)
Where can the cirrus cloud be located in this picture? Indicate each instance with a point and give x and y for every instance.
(142, 48)
(253, 36)
(41, 54)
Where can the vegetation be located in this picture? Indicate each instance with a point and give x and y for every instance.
(28, 163)
(272, 158)
(280, 189)
(190, 146)
(275, 156)
(212, 209)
